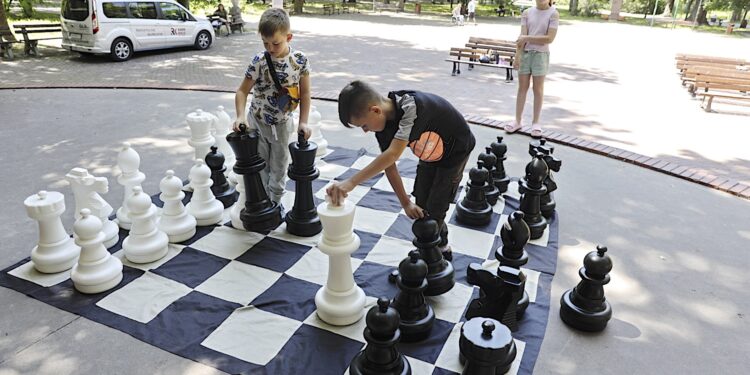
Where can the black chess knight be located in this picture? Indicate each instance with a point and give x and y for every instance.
(303, 219)
(260, 213)
(225, 193)
(380, 356)
(514, 235)
(585, 307)
(498, 294)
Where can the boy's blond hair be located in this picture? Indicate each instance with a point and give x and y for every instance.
(273, 20)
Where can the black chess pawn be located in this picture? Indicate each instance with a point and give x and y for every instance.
(417, 316)
(585, 307)
(498, 294)
(260, 213)
(225, 193)
(491, 192)
(532, 188)
(499, 178)
(380, 356)
(514, 235)
(474, 208)
(440, 273)
(303, 219)
(486, 347)
(547, 202)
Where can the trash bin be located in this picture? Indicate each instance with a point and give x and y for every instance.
(418, 8)
(730, 27)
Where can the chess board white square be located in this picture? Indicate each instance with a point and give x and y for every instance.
(353, 331)
(450, 305)
(231, 337)
(144, 298)
(543, 240)
(420, 367)
(354, 196)
(373, 221)
(227, 242)
(27, 272)
(384, 185)
(239, 282)
(313, 267)
(389, 251)
(362, 162)
(499, 207)
(532, 277)
(281, 233)
(329, 171)
(469, 241)
(172, 251)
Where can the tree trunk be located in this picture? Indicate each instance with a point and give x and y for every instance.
(298, 6)
(702, 16)
(614, 13)
(4, 22)
(668, 8)
(573, 7)
(688, 5)
(694, 9)
(736, 13)
(185, 3)
(401, 5)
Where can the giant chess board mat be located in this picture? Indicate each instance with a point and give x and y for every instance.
(244, 302)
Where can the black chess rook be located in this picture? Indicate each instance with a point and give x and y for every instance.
(440, 273)
(498, 294)
(585, 307)
(260, 213)
(499, 178)
(303, 219)
(474, 208)
(532, 188)
(223, 191)
(417, 317)
(380, 356)
(486, 347)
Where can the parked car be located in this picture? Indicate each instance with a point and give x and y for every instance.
(120, 28)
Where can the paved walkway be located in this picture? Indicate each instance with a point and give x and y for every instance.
(610, 83)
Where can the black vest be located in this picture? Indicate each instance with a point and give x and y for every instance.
(440, 136)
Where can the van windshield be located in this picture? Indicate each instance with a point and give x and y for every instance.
(76, 10)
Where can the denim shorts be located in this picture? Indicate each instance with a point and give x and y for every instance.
(534, 63)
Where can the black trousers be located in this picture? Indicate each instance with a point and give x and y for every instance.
(435, 188)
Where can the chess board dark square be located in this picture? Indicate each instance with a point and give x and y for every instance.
(274, 254)
(380, 200)
(334, 360)
(373, 279)
(182, 267)
(367, 241)
(289, 297)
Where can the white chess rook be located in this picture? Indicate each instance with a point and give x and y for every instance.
(313, 122)
(236, 209)
(340, 302)
(146, 243)
(55, 251)
(203, 205)
(175, 221)
(86, 189)
(97, 270)
(222, 127)
(200, 132)
(128, 161)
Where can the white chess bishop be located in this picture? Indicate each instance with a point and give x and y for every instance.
(55, 251)
(236, 209)
(340, 302)
(203, 205)
(86, 189)
(200, 132)
(97, 270)
(128, 161)
(222, 127)
(175, 221)
(146, 243)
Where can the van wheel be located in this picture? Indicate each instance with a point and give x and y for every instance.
(203, 40)
(121, 49)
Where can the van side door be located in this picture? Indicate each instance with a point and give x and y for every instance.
(143, 21)
(177, 25)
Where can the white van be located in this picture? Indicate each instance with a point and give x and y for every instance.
(119, 28)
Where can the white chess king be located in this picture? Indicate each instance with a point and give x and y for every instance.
(340, 302)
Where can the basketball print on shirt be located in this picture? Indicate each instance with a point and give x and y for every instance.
(429, 146)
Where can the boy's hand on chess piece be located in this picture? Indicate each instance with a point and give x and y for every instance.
(413, 211)
(305, 129)
(237, 123)
(339, 191)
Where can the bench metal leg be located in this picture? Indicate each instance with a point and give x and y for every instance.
(453, 72)
(707, 103)
(30, 48)
(458, 68)
(7, 50)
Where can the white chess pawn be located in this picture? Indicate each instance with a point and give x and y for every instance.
(222, 127)
(200, 132)
(340, 302)
(203, 205)
(145, 243)
(55, 251)
(236, 209)
(128, 161)
(174, 221)
(86, 189)
(313, 122)
(97, 270)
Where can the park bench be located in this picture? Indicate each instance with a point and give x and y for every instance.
(389, 7)
(330, 9)
(499, 52)
(349, 8)
(48, 31)
(691, 74)
(684, 61)
(735, 88)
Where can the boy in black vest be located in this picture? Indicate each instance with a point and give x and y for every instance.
(426, 123)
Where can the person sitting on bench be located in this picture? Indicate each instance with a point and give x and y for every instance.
(220, 18)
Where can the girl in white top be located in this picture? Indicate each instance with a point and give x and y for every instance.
(538, 30)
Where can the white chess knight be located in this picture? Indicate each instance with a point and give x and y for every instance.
(97, 270)
(340, 302)
(175, 221)
(55, 251)
(86, 189)
(146, 243)
(236, 209)
(200, 132)
(128, 161)
(222, 127)
(203, 205)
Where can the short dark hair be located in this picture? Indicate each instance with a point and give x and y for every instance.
(273, 20)
(354, 99)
